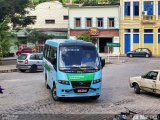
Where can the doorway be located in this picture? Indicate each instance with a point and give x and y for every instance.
(102, 45)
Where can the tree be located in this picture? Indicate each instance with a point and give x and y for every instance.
(4, 37)
(87, 37)
(15, 9)
(35, 36)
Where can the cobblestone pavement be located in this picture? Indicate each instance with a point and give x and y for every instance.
(25, 93)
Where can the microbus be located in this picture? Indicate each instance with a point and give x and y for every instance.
(72, 68)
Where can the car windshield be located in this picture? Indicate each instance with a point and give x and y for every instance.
(79, 58)
(22, 57)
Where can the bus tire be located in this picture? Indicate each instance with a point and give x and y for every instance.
(54, 93)
(46, 84)
(95, 97)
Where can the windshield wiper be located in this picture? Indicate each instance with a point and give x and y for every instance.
(79, 68)
(88, 67)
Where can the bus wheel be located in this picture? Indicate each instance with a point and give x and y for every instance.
(95, 97)
(46, 84)
(54, 94)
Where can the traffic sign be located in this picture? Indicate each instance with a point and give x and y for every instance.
(113, 44)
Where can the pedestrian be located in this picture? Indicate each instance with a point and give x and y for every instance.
(1, 90)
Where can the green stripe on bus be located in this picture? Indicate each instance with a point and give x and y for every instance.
(80, 77)
(46, 66)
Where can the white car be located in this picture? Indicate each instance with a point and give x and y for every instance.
(149, 82)
(30, 61)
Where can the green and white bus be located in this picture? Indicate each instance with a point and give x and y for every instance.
(72, 68)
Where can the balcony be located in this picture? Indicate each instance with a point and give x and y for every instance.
(148, 19)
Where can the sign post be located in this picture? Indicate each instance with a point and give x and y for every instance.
(113, 45)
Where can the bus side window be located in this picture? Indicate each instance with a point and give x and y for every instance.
(47, 52)
(52, 57)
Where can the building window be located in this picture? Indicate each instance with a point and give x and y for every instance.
(158, 8)
(111, 22)
(148, 36)
(159, 36)
(50, 21)
(136, 8)
(33, 18)
(65, 17)
(136, 36)
(88, 22)
(127, 30)
(148, 7)
(127, 8)
(77, 22)
(135, 30)
(148, 30)
(99, 22)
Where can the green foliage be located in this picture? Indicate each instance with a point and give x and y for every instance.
(87, 37)
(39, 37)
(15, 9)
(4, 37)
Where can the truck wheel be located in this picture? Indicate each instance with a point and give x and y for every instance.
(54, 93)
(95, 97)
(136, 89)
(46, 84)
(33, 68)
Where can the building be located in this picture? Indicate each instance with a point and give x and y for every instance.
(51, 18)
(140, 25)
(100, 20)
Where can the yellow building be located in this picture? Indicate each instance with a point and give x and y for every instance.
(140, 25)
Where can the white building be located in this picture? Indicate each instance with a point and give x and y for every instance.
(50, 17)
(103, 19)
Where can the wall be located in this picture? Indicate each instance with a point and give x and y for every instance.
(94, 12)
(49, 10)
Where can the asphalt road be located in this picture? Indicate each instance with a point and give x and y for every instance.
(25, 93)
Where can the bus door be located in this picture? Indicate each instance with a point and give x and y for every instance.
(53, 66)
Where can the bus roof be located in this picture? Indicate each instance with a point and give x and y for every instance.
(57, 42)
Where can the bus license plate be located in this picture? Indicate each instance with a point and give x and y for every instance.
(82, 90)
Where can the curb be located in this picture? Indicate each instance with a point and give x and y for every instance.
(8, 71)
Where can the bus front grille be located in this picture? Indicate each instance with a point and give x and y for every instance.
(76, 84)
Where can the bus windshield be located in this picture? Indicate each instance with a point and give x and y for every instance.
(79, 58)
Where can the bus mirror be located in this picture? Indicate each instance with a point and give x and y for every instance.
(103, 62)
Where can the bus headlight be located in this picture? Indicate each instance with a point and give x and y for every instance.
(63, 82)
(96, 81)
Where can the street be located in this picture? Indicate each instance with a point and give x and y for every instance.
(25, 93)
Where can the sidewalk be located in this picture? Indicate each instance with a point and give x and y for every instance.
(8, 68)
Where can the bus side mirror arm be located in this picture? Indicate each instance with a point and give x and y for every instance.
(53, 62)
(102, 62)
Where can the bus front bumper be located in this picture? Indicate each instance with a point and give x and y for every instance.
(79, 91)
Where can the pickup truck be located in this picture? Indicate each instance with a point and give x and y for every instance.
(149, 82)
